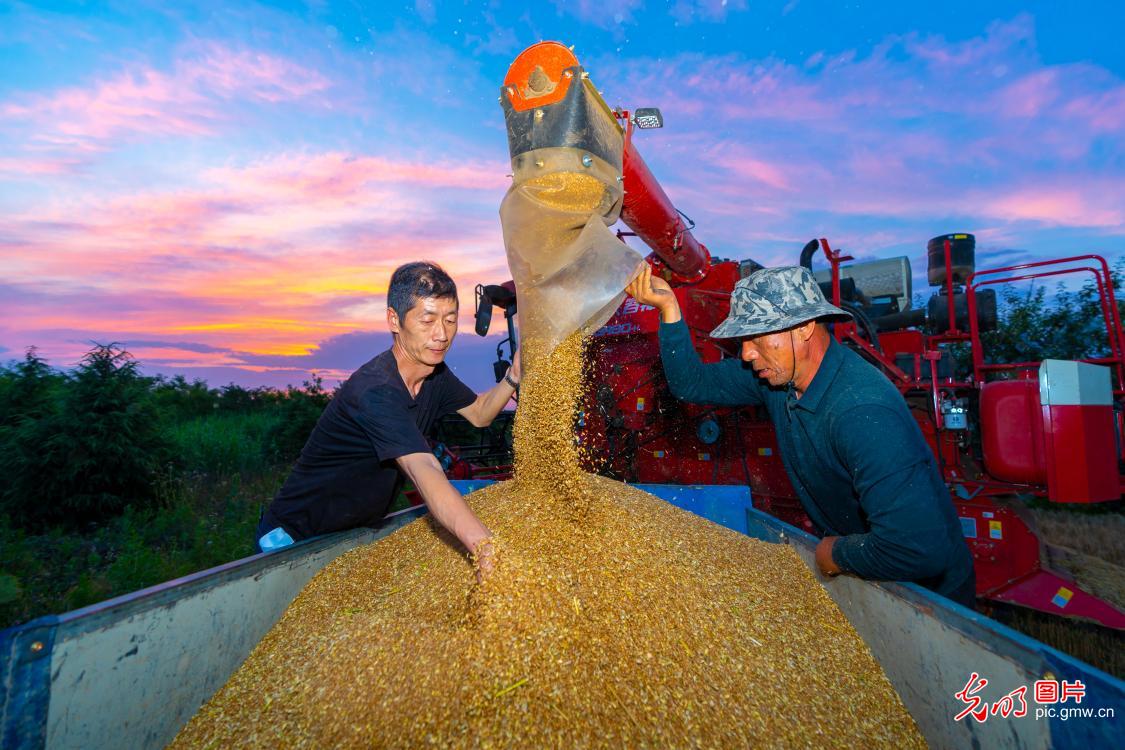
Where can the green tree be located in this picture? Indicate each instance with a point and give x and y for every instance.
(97, 453)
(178, 400)
(26, 389)
(300, 409)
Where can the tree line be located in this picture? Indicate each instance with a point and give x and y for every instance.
(80, 446)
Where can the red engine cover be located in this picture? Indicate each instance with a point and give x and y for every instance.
(1011, 424)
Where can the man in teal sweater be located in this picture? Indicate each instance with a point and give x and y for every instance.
(855, 456)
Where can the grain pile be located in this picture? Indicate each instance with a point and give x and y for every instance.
(611, 620)
(571, 191)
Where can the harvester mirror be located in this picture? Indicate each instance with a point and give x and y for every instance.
(483, 311)
(648, 118)
(487, 297)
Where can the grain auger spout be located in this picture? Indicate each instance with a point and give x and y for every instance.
(575, 173)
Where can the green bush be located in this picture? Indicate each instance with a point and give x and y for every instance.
(115, 481)
(95, 450)
(298, 411)
(1036, 325)
(178, 400)
(27, 390)
(224, 443)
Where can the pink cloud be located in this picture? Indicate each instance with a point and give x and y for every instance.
(29, 166)
(878, 135)
(188, 100)
(273, 203)
(1001, 41)
(1091, 205)
(335, 174)
(1031, 95)
(1103, 111)
(267, 258)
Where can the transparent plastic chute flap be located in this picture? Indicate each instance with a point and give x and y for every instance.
(569, 268)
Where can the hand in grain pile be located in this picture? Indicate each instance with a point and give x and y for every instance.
(444, 501)
(484, 559)
(653, 290)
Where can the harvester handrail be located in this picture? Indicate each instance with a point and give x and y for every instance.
(1106, 299)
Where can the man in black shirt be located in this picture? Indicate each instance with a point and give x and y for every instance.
(373, 432)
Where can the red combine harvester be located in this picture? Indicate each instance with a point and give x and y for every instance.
(1000, 432)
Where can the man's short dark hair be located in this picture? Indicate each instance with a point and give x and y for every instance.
(414, 281)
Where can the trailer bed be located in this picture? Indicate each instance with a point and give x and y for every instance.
(131, 671)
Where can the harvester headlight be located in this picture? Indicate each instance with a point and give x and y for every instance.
(648, 118)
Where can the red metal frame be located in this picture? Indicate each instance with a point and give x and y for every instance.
(1106, 298)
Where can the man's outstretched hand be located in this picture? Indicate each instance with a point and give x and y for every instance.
(484, 559)
(653, 290)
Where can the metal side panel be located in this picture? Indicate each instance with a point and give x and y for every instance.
(929, 648)
(130, 671)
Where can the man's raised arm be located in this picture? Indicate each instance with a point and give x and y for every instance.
(721, 383)
(481, 412)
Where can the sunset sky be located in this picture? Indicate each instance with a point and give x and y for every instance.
(225, 187)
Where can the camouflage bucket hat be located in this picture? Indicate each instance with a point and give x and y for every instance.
(774, 299)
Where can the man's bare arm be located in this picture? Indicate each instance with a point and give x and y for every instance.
(481, 412)
(443, 500)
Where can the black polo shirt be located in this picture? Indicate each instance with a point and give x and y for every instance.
(346, 475)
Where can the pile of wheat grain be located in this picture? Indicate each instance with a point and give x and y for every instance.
(612, 619)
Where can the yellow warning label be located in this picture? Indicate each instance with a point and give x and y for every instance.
(1062, 597)
(641, 404)
(995, 530)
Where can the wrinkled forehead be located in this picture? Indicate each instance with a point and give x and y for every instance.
(434, 306)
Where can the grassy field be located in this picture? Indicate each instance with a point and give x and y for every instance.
(205, 515)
